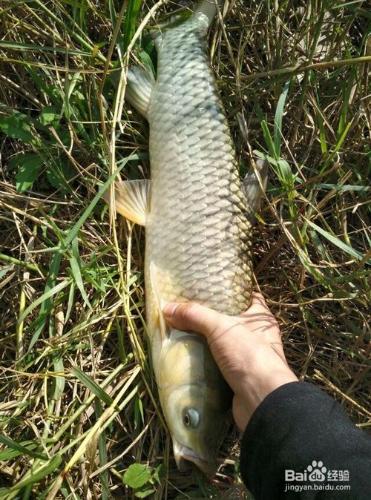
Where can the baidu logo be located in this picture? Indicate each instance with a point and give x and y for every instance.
(317, 477)
(317, 471)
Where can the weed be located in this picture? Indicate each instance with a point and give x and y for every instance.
(79, 414)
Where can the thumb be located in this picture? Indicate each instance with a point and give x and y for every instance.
(194, 317)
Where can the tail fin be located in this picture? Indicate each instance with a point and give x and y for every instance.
(209, 8)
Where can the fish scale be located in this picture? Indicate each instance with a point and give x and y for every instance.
(197, 210)
(198, 234)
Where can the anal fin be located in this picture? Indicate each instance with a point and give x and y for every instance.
(154, 277)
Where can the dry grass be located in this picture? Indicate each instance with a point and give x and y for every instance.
(78, 402)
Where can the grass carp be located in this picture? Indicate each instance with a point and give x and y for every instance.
(196, 215)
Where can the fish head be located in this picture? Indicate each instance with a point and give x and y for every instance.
(197, 425)
(195, 400)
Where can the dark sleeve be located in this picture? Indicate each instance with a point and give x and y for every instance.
(299, 444)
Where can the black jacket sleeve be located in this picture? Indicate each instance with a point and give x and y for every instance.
(299, 444)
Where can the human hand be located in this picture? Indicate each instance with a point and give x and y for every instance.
(247, 348)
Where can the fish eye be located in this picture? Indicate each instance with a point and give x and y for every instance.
(191, 417)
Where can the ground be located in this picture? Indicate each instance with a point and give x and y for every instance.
(78, 403)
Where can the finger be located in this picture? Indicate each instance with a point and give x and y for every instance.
(194, 317)
(258, 316)
(258, 301)
(258, 305)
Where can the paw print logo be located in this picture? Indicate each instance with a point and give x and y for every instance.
(317, 471)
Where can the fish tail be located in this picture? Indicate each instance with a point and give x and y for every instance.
(209, 8)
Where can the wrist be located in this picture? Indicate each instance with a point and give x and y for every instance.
(262, 378)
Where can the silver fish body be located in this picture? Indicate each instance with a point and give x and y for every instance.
(197, 232)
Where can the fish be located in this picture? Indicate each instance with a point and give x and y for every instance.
(197, 214)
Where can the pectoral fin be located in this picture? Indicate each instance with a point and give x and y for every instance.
(139, 88)
(132, 200)
(252, 188)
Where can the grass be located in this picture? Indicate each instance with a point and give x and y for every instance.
(78, 402)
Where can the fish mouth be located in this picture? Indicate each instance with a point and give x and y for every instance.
(185, 457)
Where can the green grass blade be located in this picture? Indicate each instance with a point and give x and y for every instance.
(336, 241)
(131, 19)
(45, 299)
(277, 134)
(37, 473)
(268, 139)
(76, 274)
(10, 443)
(92, 385)
(45, 296)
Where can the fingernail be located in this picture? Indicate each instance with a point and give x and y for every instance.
(169, 309)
